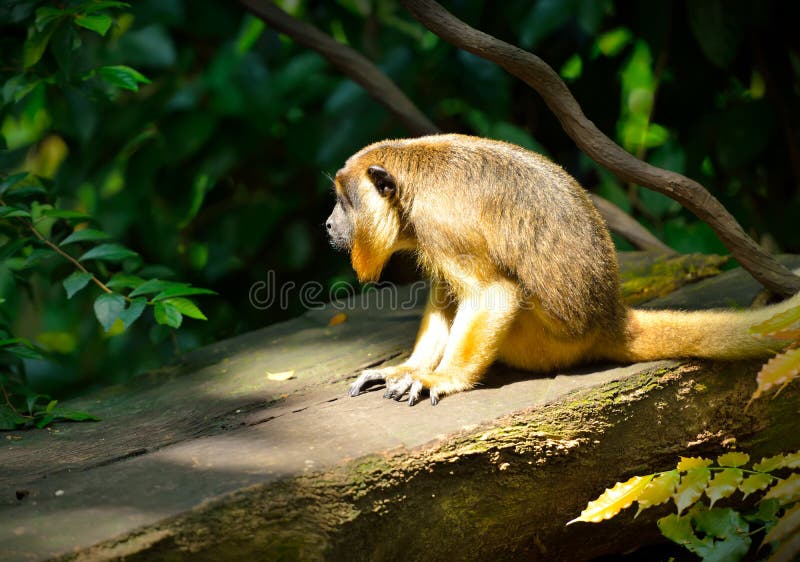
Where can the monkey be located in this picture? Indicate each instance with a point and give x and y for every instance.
(522, 267)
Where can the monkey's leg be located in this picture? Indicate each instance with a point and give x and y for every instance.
(428, 349)
(481, 322)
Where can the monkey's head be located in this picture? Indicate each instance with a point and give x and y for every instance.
(367, 219)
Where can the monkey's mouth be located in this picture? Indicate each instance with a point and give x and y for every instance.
(339, 243)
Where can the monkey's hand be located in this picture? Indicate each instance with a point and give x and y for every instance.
(399, 380)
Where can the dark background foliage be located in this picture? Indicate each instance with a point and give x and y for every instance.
(217, 170)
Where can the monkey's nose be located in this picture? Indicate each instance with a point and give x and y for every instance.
(328, 225)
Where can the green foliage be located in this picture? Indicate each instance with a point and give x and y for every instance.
(721, 534)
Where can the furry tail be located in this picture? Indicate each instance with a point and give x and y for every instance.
(712, 334)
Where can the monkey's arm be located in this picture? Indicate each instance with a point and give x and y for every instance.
(428, 349)
(480, 323)
(484, 317)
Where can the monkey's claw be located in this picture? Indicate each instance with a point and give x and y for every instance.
(396, 388)
(364, 379)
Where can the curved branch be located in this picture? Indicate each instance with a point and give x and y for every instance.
(538, 75)
(361, 70)
(348, 61)
(626, 226)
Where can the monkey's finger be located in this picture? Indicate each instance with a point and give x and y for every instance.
(398, 387)
(363, 379)
(434, 397)
(413, 394)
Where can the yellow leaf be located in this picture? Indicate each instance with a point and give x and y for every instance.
(723, 484)
(768, 464)
(337, 319)
(282, 376)
(733, 459)
(755, 483)
(691, 487)
(779, 322)
(786, 526)
(780, 369)
(659, 490)
(787, 491)
(688, 463)
(614, 500)
(792, 460)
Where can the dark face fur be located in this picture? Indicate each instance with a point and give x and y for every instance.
(340, 225)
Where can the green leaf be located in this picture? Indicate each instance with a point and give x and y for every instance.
(678, 529)
(76, 282)
(572, 68)
(612, 42)
(123, 280)
(44, 420)
(767, 512)
(168, 315)
(24, 351)
(36, 43)
(8, 212)
(66, 214)
(186, 307)
(720, 522)
(85, 235)
(74, 415)
(133, 312)
(99, 23)
(691, 487)
(38, 255)
(11, 419)
(107, 308)
(732, 549)
(182, 291)
(155, 286)
(109, 252)
(723, 484)
(755, 483)
(97, 6)
(50, 406)
(11, 181)
(123, 77)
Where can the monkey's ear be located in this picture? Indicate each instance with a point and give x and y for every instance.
(382, 180)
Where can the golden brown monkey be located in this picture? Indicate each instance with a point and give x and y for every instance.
(522, 267)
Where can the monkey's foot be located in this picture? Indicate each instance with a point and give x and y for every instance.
(401, 381)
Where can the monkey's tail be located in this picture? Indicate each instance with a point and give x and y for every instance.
(712, 334)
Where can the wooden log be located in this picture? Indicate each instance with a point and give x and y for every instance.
(212, 459)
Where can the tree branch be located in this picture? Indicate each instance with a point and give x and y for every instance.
(542, 78)
(627, 227)
(349, 61)
(362, 71)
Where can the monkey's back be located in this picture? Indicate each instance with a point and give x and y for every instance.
(496, 205)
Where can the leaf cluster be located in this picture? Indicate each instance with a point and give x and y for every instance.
(696, 485)
(784, 329)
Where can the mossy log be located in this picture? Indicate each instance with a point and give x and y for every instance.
(213, 459)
